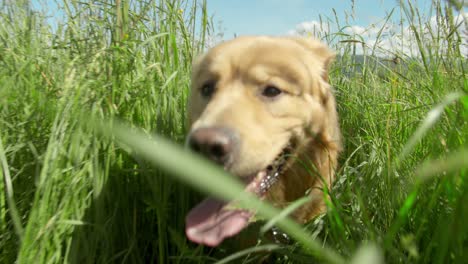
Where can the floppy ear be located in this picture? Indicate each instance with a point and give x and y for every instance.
(320, 51)
(322, 57)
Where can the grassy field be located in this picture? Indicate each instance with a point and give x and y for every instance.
(78, 190)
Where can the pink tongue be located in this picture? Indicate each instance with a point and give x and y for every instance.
(210, 222)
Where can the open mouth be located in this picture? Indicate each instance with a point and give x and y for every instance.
(213, 220)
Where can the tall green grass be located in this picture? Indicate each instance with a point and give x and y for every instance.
(74, 193)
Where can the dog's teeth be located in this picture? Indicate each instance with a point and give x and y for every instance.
(271, 174)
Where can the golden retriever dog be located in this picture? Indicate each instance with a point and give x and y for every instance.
(262, 108)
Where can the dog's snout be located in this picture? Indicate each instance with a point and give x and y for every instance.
(215, 143)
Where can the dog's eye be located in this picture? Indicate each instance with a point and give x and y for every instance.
(208, 89)
(271, 91)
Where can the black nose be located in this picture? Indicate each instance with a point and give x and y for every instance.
(215, 143)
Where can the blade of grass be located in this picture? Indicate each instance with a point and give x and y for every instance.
(285, 213)
(203, 175)
(428, 123)
(455, 161)
(368, 254)
(248, 251)
(9, 193)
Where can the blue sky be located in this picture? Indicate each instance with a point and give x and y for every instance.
(277, 17)
(364, 21)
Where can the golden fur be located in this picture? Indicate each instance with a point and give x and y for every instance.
(305, 113)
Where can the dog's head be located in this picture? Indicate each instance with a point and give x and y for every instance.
(254, 100)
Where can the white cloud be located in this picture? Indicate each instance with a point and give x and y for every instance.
(393, 39)
(310, 28)
(355, 30)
